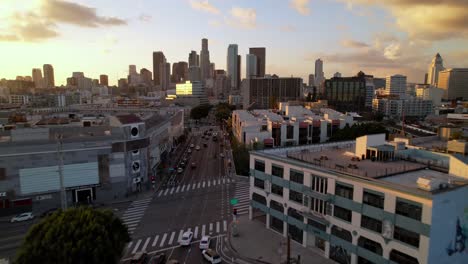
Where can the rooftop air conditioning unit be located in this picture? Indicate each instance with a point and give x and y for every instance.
(431, 183)
(136, 166)
(134, 132)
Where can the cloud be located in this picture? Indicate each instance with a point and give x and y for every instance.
(425, 19)
(301, 6)
(349, 43)
(245, 18)
(392, 51)
(288, 28)
(145, 17)
(204, 6)
(40, 23)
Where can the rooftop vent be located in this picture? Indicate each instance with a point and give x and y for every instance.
(431, 183)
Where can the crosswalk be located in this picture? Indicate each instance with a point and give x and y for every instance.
(173, 237)
(242, 195)
(193, 186)
(134, 213)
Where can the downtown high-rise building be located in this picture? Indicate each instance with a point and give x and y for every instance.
(37, 77)
(49, 80)
(260, 54)
(179, 72)
(233, 65)
(454, 83)
(311, 80)
(251, 66)
(159, 65)
(437, 65)
(205, 60)
(396, 85)
(194, 59)
(146, 76)
(104, 80)
(319, 75)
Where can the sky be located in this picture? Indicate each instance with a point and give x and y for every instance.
(379, 37)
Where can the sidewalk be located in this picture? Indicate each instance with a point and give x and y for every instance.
(256, 244)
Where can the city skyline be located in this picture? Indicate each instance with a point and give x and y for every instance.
(398, 38)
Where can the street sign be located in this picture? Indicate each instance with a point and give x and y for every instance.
(234, 201)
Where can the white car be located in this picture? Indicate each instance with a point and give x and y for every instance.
(22, 217)
(180, 170)
(192, 145)
(197, 148)
(205, 242)
(211, 256)
(186, 238)
(221, 155)
(189, 151)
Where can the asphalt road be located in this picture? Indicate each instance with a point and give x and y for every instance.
(199, 202)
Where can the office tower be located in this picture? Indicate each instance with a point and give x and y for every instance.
(429, 92)
(396, 85)
(251, 66)
(319, 76)
(37, 77)
(337, 74)
(132, 70)
(191, 93)
(221, 84)
(146, 76)
(267, 92)
(194, 73)
(311, 80)
(194, 59)
(212, 69)
(260, 54)
(425, 78)
(159, 61)
(49, 81)
(239, 59)
(205, 60)
(232, 65)
(454, 82)
(104, 80)
(122, 83)
(435, 67)
(166, 78)
(179, 72)
(348, 93)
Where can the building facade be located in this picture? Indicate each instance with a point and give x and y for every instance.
(37, 77)
(251, 66)
(437, 65)
(49, 79)
(347, 93)
(179, 72)
(454, 82)
(232, 65)
(396, 108)
(104, 80)
(205, 60)
(396, 85)
(429, 92)
(260, 55)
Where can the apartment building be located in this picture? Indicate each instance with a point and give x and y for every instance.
(364, 201)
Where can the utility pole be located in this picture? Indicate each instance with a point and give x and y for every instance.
(288, 256)
(63, 194)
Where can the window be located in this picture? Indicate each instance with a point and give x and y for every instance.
(295, 196)
(406, 236)
(277, 171)
(318, 205)
(402, 258)
(2, 174)
(319, 184)
(342, 213)
(344, 191)
(259, 166)
(373, 199)
(408, 209)
(259, 183)
(371, 223)
(296, 176)
(317, 225)
(362, 260)
(341, 233)
(276, 206)
(264, 127)
(258, 198)
(276, 189)
(289, 132)
(370, 245)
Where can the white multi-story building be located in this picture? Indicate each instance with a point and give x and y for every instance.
(396, 85)
(364, 201)
(429, 92)
(19, 99)
(397, 107)
(292, 125)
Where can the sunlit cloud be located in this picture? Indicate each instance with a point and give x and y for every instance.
(349, 43)
(145, 17)
(288, 28)
(204, 6)
(301, 6)
(245, 18)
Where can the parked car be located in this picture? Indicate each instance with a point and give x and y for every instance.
(192, 145)
(186, 238)
(194, 165)
(189, 151)
(211, 256)
(22, 217)
(48, 212)
(205, 242)
(221, 155)
(158, 259)
(182, 164)
(140, 258)
(180, 170)
(197, 147)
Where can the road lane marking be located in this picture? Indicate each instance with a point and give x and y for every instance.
(163, 239)
(146, 244)
(195, 233)
(155, 241)
(199, 184)
(160, 193)
(225, 225)
(171, 239)
(194, 185)
(130, 244)
(172, 190)
(167, 190)
(217, 227)
(211, 227)
(180, 235)
(209, 183)
(203, 231)
(183, 188)
(219, 181)
(177, 190)
(136, 246)
(188, 187)
(203, 185)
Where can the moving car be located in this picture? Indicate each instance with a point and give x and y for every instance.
(192, 145)
(180, 170)
(197, 148)
(221, 155)
(22, 217)
(211, 256)
(189, 151)
(205, 145)
(205, 242)
(194, 165)
(140, 258)
(182, 164)
(186, 238)
(158, 259)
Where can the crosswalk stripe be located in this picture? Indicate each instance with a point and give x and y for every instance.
(199, 184)
(171, 239)
(130, 244)
(155, 241)
(225, 225)
(167, 190)
(211, 227)
(228, 180)
(177, 190)
(203, 230)
(160, 192)
(163, 239)
(203, 184)
(195, 233)
(193, 185)
(219, 181)
(136, 246)
(134, 210)
(131, 222)
(188, 187)
(172, 190)
(132, 213)
(146, 244)
(183, 188)
(217, 227)
(140, 202)
(180, 235)
(209, 183)
(224, 180)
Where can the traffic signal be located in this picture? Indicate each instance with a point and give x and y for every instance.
(234, 212)
(153, 179)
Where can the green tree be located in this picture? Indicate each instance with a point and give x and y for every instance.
(201, 111)
(358, 130)
(309, 97)
(223, 111)
(77, 235)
